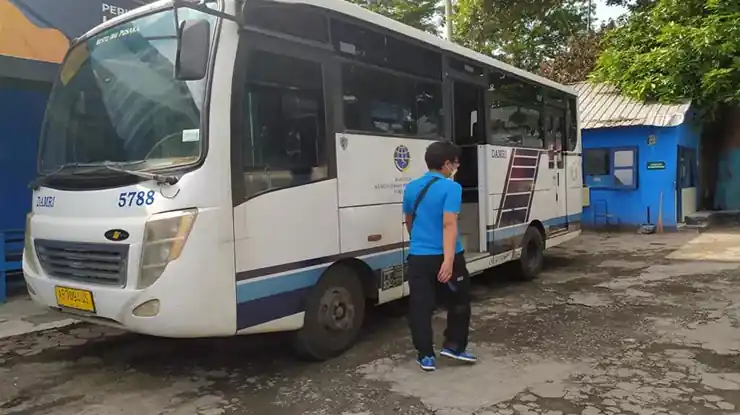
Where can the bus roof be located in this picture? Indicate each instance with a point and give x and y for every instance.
(353, 10)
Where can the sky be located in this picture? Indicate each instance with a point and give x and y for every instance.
(604, 12)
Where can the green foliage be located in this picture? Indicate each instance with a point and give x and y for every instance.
(677, 50)
(632, 5)
(419, 14)
(524, 33)
(578, 59)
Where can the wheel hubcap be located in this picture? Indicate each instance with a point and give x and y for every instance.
(336, 310)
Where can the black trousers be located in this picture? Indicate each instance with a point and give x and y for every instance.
(423, 270)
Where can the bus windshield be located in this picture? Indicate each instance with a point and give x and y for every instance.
(116, 100)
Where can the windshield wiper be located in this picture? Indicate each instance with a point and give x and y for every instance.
(159, 178)
(116, 167)
(34, 184)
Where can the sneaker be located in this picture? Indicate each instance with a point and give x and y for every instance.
(462, 356)
(428, 363)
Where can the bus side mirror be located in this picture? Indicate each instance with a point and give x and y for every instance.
(193, 43)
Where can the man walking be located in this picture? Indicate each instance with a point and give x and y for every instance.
(431, 204)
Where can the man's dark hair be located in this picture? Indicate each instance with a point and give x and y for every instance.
(440, 152)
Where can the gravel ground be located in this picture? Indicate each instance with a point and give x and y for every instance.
(617, 323)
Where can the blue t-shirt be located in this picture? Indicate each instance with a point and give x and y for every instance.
(443, 196)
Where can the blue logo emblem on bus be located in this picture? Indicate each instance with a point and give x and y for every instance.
(402, 157)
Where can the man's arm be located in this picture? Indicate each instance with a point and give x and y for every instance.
(449, 235)
(407, 207)
(453, 201)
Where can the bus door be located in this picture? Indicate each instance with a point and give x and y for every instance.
(469, 133)
(555, 139)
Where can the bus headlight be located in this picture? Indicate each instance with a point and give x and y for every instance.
(164, 237)
(28, 252)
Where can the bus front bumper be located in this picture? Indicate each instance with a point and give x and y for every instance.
(194, 296)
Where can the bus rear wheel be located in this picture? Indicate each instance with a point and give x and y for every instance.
(533, 254)
(335, 311)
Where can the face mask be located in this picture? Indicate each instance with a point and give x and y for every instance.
(452, 175)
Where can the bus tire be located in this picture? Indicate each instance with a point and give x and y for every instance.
(533, 254)
(335, 311)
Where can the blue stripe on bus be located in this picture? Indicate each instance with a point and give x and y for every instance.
(251, 290)
(267, 299)
(254, 290)
(262, 310)
(572, 218)
(518, 230)
(273, 298)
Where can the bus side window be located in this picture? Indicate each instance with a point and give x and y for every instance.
(376, 101)
(555, 128)
(515, 114)
(285, 123)
(572, 125)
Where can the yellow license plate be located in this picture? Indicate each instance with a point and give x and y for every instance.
(74, 298)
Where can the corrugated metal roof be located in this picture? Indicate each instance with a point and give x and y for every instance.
(601, 106)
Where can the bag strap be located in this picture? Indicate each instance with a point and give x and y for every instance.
(421, 197)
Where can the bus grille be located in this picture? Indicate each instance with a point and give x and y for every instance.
(84, 262)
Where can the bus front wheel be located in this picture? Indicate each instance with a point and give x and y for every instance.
(533, 254)
(335, 311)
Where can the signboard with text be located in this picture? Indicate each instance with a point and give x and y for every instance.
(656, 165)
(25, 24)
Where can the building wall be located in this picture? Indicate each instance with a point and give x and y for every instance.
(34, 37)
(18, 143)
(40, 30)
(690, 134)
(727, 195)
(629, 207)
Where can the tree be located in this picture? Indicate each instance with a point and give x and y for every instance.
(420, 14)
(632, 5)
(677, 50)
(576, 61)
(524, 33)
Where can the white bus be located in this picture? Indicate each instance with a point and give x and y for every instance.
(233, 167)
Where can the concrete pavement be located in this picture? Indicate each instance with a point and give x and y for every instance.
(617, 324)
(20, 316)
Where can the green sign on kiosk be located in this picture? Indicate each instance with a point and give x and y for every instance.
(656, 165)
